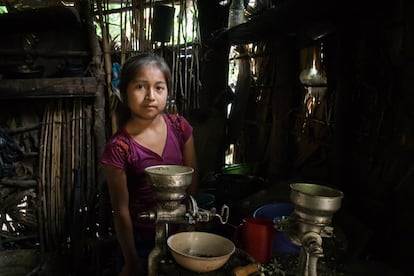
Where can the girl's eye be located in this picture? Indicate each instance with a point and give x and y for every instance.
(140, 86)
(160, 88)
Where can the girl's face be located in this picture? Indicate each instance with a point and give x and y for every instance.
(147, 93)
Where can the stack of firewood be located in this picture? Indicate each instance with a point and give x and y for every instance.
(66, 173)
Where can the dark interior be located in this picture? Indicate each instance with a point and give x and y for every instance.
(353, 132)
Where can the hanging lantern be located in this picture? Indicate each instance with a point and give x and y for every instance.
(313, 77)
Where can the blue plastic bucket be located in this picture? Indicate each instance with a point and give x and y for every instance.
(275, 211)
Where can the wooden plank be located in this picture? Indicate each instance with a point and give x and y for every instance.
(48, 88)
(21, 183)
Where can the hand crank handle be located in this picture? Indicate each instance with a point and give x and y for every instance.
(224, 216)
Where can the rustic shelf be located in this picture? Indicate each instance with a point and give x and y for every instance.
(21, 183)
(289, 18)
(48, 88)
(283, 20)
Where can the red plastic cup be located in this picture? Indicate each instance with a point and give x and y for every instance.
(255, 236)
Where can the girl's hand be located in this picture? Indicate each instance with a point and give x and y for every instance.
(134, 269)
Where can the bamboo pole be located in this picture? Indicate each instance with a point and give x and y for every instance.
(46, 178)
(76, 167)
(107, 64)
(40, 205)
(82, 164)
(64, 170)
(81, 152)
(74, 153)
(89, 157)
(51, 187)
(47, 209)
(52, 207)
(58, 180)
(99, 125)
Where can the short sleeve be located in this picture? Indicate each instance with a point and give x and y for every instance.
(181, 127)
(116, 153)
(186, 128)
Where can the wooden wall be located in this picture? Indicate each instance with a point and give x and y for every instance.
(360, 137)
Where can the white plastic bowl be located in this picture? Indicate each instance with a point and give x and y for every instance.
(200, 251)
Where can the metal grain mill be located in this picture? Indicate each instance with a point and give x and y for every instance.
(173, 206)
(314, 208)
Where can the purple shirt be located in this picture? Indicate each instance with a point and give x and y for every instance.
(122, 151)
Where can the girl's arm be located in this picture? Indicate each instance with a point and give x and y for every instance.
(190, 159)
(118, 192)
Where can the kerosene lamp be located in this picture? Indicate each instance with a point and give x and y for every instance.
(314, 80)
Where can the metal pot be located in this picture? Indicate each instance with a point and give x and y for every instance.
(200, 251)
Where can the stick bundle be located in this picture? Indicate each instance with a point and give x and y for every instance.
(66, 186)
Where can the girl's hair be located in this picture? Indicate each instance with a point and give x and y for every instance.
(130, 70)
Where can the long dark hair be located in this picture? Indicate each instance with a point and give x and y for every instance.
(129, 71)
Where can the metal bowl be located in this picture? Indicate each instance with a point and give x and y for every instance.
(200, 251)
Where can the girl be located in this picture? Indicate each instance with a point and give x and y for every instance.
(147, 136)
